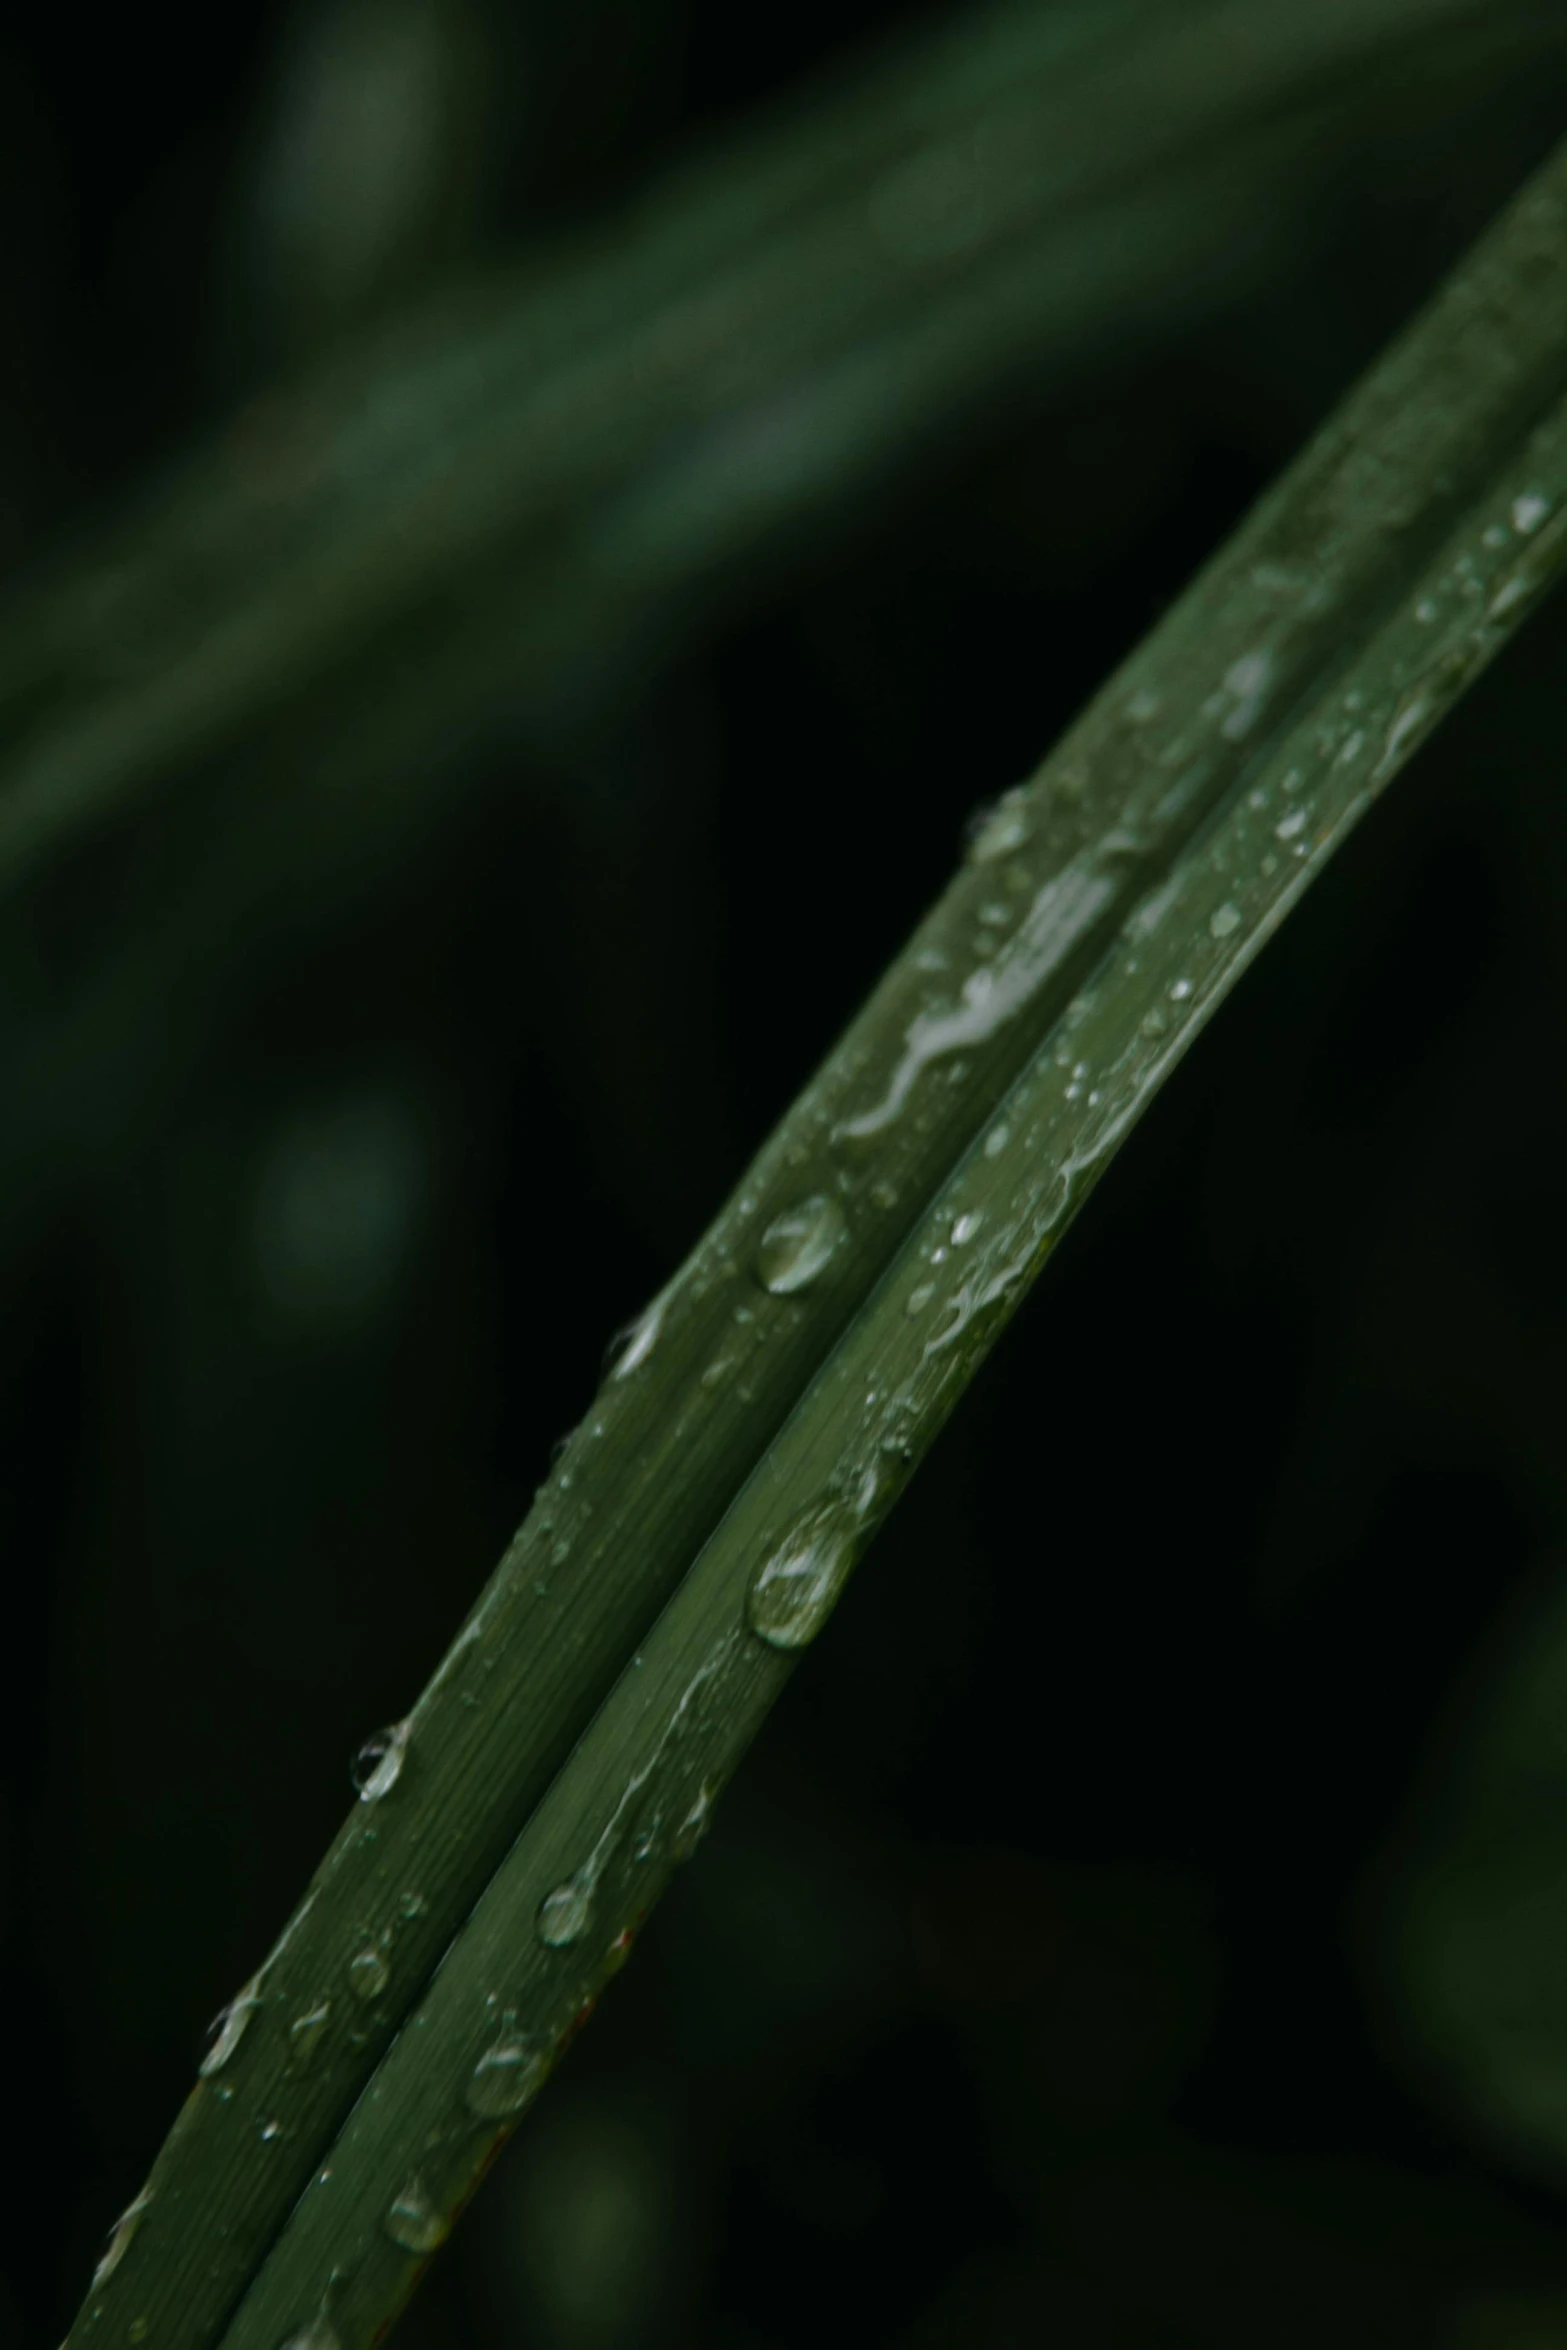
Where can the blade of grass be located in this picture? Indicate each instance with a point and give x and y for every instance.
(363, 499)
(769, 1404)
(1308, 746)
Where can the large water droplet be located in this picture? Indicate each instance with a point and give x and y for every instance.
(229, 2026)
(965, 1226)
(564, 1915)
(120, 2236)
(378, 1765)
(506, 2078)
(797, 1244)
(369, 1973)
(999, 828)
(793, 1591)
(414, 2222)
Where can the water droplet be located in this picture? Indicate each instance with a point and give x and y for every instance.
(369, 1973)
(269, 2132)
(999, 828)
(413, 1905)
(564, 1915)
(1180, 989)
(1426, 611)
(630, 1347)
(793, 1591)
(996, 1141)
(645, 1844)
(1154, 1023)
(1494, 535)
(797, 1244)
(229, 2026)
(1529, 512)
(965, 1226)
(378, 1765)
(1290, 826)
(693, 1827)
(1142, 706)
(1224, 921)
(506, 2078)
(318, 2334)
(920, 1297)
(1248, 680)
(414, 2222)
(120, 2238)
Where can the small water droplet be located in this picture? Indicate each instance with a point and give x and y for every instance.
(693, 1827)
(793, 1591)
(1529, 512)
(229, 2027)
(1179, 990)
(378, 1765)
(1224, 921)
(564, 1915)
(1494, 535)
(506, 2078)
(1426, 611)
(414, 2222)
(920, 1297)
(120, 2238)
(883, 1196)
(797, 1244)
(965, 1226)
(413, 1905)
(645, 1843)
(269, 2131)
(999, 828)
(318, 2334)
(630, 1347)
(1290, 826)
(369, 1973)
(1142, 706)
(996, 1141)
(1154, 1023)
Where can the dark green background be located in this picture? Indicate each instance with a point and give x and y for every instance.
(1035, 1983)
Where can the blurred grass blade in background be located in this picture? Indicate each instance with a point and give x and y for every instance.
(766, 1410)
(768, 332)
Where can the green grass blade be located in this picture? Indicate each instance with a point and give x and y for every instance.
(773, 1400)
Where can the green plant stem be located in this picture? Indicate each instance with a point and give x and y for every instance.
(774, 1397)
